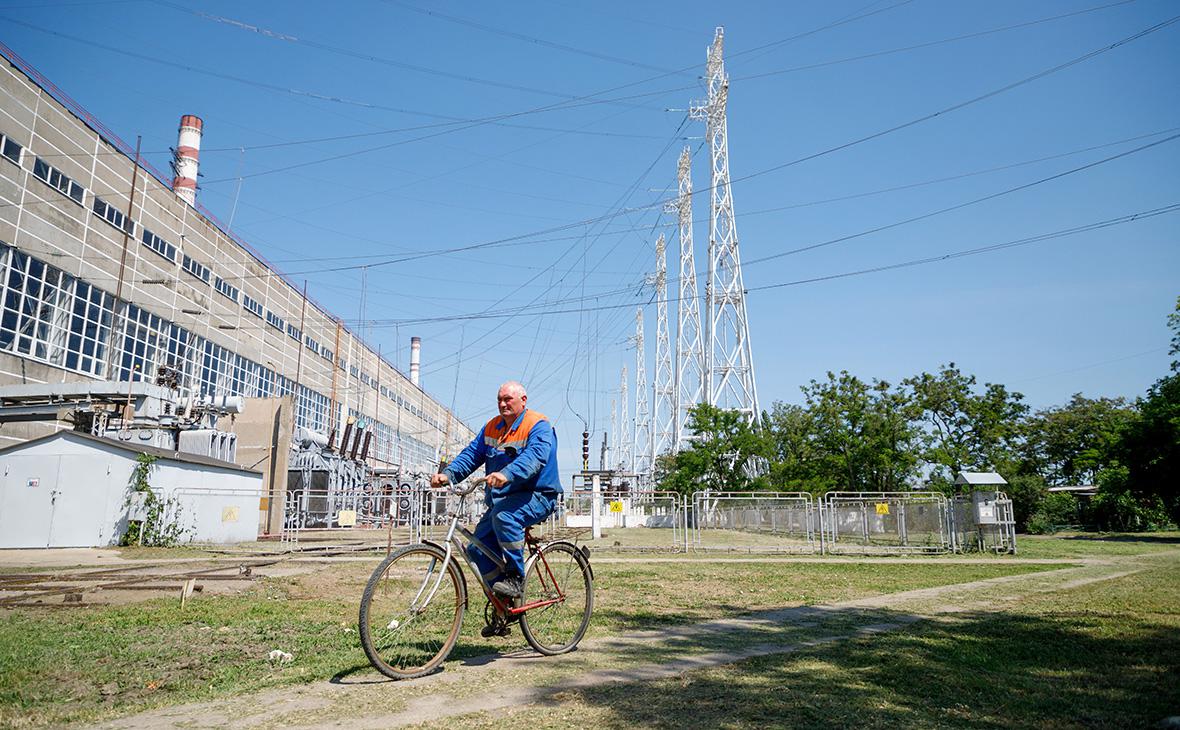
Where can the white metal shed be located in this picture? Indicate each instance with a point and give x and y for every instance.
(70, 489)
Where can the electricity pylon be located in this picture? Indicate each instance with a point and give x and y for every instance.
(729, 364)
(690, 356)
(641, 454)
(614, 435)
(664, 411)
(626, 454)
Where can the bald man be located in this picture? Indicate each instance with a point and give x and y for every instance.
(518, 449)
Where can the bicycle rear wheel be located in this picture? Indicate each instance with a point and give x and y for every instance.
(560, 572)
(411, 612)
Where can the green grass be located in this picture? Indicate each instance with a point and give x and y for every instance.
(1095, 544)
(63, 665)
(1105, 654)
(92, 663)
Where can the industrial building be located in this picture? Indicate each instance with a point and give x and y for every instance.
(69, 489)
(110, 270)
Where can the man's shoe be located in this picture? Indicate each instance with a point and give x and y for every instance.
(510, 586)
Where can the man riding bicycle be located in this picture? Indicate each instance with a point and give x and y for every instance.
(518, 449)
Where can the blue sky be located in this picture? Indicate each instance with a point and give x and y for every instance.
(1080, 313)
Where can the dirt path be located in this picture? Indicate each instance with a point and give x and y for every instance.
(479, 684)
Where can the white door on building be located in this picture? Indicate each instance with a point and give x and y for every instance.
(27, 500)
(80, 515)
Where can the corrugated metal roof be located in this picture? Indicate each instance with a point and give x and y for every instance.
(980, 478)
(136, 449)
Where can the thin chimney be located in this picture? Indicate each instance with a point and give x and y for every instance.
(415, 358)
(184, 163)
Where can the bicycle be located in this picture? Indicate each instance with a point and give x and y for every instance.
(413, 605)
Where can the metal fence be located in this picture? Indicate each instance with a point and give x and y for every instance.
(885, 522)
(762, 521)
(983, 521)
(877, 523)
(627, 520)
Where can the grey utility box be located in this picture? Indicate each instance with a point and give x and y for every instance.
(985, 508)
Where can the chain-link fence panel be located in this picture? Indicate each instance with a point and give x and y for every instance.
(755, 521)
(885, 522)
(627, 520)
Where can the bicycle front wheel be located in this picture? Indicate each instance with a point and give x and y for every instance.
(561, 574)
(411, 612)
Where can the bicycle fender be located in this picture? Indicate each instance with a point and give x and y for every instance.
(585, 552)
(458, 569)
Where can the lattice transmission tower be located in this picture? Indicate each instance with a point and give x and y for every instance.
(729, 364)
(641, 454)
(663, 414)
(613, 449)
(689, 375)
(625, 451)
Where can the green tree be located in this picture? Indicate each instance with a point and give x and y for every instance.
(797, 462)
(965, 429)
(1151, 444)
(863, 434)
(724, 447)
(1072, 444)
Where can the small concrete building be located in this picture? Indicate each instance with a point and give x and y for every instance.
(71, 489)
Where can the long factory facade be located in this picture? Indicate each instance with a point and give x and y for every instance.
(108, 271)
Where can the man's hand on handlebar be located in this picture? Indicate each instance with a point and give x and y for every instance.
(438, 481)
(496, 480)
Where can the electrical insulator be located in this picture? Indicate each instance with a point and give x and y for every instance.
(585, 451)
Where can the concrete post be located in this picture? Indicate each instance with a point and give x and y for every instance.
(596, 507)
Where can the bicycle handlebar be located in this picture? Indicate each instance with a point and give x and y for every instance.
(474, 485)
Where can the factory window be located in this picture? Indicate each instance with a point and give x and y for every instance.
(366, 379)
(57, 179)
(266, 382)
(275, 320)
(353, 370)
(113, 215)
(312, 345)
(327, 354)
(37, 308)
(252, 306)
(226, 289)
(138, 356)
(10, 149)
(181, 350)
(90, 329)
(311, 409)
(294, 333)
(216, 370)
(159, 245)
(196, 268)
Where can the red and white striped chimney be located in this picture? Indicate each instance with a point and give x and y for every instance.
(415, 357)
(185, 165)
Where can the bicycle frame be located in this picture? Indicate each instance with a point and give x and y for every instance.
(453, 543)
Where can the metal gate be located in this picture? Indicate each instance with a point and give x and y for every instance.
(755, 521)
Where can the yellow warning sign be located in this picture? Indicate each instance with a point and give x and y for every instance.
(882, 508)
(229, 514)
(346, 518)
(616, 506)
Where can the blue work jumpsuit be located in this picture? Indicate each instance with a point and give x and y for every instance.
(525, 452)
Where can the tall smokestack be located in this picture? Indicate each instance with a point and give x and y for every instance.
(184, 163)
(415, 357)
